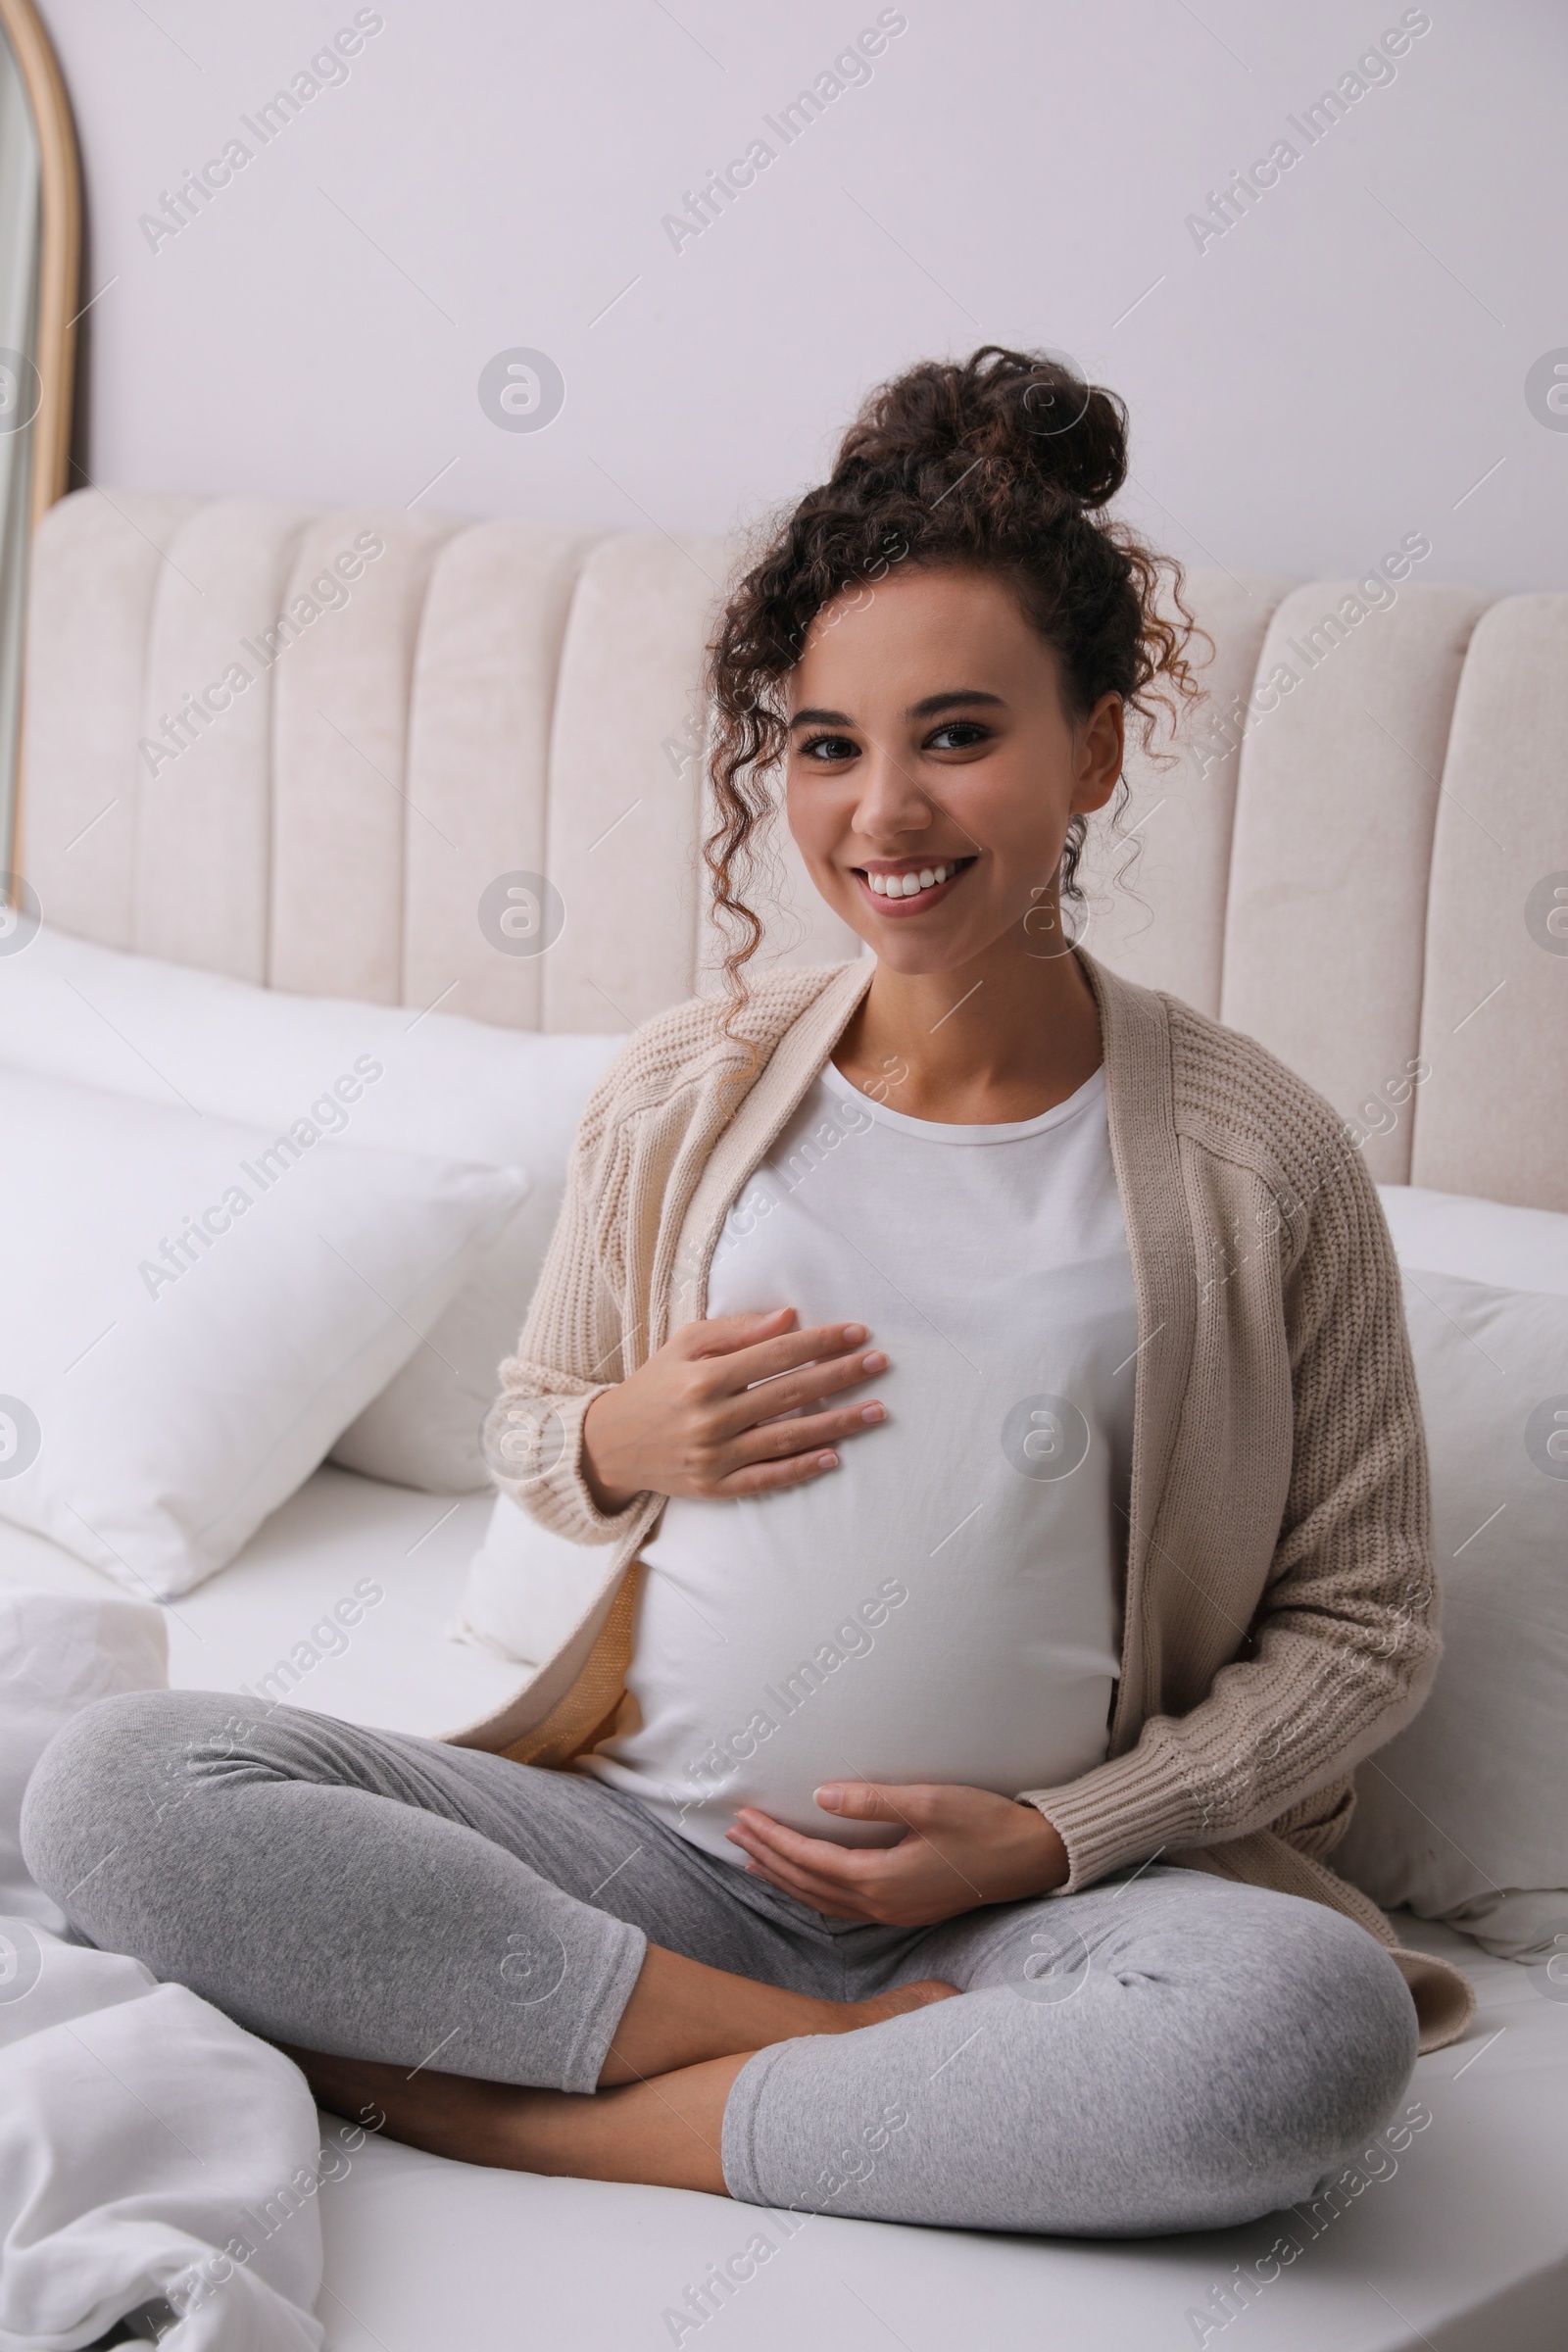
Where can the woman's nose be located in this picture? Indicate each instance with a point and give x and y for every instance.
(891, 801)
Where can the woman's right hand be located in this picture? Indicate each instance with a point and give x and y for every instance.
(694, 1420)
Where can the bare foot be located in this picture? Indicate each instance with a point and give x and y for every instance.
(436, 2110)
(447, 2115)
(667, 2131)
(661, 2125)
(682, 2012)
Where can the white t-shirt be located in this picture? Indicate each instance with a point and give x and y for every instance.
(946, 1605)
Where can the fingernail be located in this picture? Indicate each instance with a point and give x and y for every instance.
(876, 1361)
(873, 1412)
(827, 1461)
(853, 1333)
(830, 1798)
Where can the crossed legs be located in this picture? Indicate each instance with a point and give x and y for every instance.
(469, 1946)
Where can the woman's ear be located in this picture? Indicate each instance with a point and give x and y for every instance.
(1102, 749)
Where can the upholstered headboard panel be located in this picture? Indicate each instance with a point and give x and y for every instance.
(302, 747)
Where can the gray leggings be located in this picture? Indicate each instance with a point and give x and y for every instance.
(1165, 2052)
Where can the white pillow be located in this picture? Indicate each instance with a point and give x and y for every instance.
(194, 1309)
(1485, 1240)
(1464, 1815)
(362, 1074)
(526, 1588)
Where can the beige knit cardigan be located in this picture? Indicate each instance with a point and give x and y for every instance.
(1280, 1603)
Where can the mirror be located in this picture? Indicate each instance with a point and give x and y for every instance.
(40, 243)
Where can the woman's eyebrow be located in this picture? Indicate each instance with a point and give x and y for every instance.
(951, 699)
(955, 698)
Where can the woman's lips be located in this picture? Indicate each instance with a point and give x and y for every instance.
(917, 901)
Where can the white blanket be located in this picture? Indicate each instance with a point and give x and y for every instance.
(158, 2164)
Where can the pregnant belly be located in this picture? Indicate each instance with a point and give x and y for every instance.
(912, 1678)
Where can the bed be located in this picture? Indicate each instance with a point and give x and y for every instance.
(1358, 865)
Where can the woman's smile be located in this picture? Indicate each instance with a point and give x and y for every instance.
(904, 886)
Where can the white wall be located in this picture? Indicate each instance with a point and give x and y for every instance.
(1340, 367)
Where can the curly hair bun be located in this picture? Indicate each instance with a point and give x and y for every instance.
(998, 464)
(1029, 413)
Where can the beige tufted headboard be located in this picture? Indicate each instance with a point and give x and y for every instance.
(1361, 854)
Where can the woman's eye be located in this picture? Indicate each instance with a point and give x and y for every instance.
(827, 748)
(959, 735)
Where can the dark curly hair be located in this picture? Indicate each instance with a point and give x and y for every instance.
(1004, 464)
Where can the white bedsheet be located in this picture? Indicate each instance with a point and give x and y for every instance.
(141, 2138)
(152, 2154)
(397, 1668)
(1464, 2249)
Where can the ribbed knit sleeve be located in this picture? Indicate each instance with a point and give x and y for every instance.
(646, 1134)
(571, 1344)
(1344, 1645)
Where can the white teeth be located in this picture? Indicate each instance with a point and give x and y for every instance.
(906, 886)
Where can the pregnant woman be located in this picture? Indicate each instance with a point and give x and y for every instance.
(989, 1382)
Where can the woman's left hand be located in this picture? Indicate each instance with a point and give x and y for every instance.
(961, 1847)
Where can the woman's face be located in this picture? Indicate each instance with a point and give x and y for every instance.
(928, 738)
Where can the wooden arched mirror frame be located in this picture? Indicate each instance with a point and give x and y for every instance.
(40, 264)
